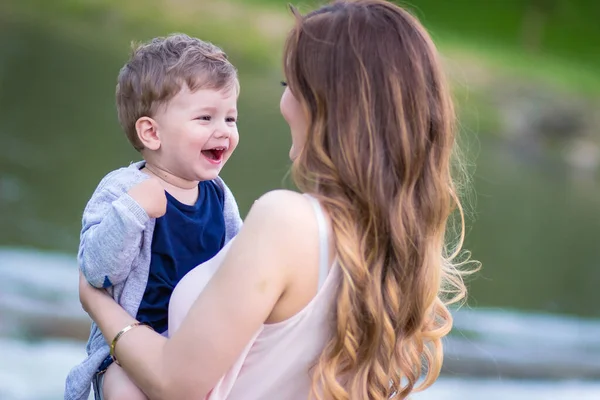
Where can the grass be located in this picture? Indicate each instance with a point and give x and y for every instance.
(240, 31)
(252, 31)
(501, 61)
(475, 38)
(570, 26)
(490, 33)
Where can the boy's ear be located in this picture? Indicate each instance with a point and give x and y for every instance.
(147, 131)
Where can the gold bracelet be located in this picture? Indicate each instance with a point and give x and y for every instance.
(113, 344)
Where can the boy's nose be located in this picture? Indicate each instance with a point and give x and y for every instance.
(222, 131)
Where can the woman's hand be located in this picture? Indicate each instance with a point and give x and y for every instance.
(88, 294)
(139, 350)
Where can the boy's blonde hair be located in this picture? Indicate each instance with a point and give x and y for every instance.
(157, 70)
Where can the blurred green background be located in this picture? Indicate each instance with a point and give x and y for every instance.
(526, 78)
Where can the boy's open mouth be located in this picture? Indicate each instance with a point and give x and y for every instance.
(214, 155)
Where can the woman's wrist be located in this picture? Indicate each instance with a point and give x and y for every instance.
(113, 343)
(139, 350)
(110, 317)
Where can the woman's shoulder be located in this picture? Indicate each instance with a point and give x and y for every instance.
(284, 205)
(280, 198)
(282, 212)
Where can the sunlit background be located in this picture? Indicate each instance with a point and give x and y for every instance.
(526, 75)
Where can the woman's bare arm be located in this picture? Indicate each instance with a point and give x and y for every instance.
(227, 314)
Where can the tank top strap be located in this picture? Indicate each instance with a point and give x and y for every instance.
(323, 240)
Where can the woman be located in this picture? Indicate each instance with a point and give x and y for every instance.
(335, 294)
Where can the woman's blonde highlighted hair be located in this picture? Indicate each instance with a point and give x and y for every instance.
(378, 155)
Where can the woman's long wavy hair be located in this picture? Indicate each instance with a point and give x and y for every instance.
(378, 155)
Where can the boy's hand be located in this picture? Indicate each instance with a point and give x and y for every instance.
(151, 196)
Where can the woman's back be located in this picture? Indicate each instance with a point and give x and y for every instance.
(277, 362)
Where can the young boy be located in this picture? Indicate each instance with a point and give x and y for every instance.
(148, 224)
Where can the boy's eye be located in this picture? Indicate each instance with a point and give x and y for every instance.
(231, 119)
(204, 118)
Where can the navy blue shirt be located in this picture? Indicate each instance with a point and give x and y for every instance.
(183, 238)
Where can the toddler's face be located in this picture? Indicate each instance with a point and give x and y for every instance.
(197, 132)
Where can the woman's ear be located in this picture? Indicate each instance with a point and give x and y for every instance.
(147, 131)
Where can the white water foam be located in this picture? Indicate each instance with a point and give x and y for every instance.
(36, 371)
(38, 294)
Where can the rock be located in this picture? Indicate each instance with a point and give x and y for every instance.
(535, 111)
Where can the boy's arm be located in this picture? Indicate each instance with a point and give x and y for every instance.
(112, 231)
